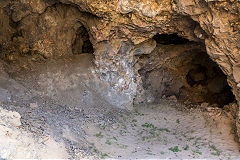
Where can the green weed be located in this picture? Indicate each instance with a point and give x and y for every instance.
(134, 120)
(149, 125)
(217, 151)
(137, 113)
(149, 153)
(108, 142)
(104, 155)
(186, 147)
(95, 151)
(122, 146)
(99, 135)
(164, 129)
(178, 121)
(197, 151)
(175, 149)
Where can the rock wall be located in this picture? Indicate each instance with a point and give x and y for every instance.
(119, 30)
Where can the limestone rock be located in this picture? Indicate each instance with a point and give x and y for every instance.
(48, 28)
(144, 47)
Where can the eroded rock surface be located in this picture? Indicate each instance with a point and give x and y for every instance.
(120, 30)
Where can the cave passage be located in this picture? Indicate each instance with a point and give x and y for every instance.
(82, 44)
(183, 68)
(209, 80)
(169, 39)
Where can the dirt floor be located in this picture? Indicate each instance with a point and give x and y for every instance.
(53, 110)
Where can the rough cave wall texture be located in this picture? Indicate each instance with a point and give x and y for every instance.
(121, 29)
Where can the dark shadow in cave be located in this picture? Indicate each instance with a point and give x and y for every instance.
(190, 74)
(207, 74)
(169, 39)
(82, 44)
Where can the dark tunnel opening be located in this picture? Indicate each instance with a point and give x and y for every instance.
(183, 68)
(82, 43)
(167, 39)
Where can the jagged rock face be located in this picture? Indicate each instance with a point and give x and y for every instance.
(121, 29)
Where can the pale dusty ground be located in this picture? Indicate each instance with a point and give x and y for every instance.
(15, 142)
(152, 130)
(147, 133)
(54, 110)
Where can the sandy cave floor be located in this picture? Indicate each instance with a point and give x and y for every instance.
(79, 123)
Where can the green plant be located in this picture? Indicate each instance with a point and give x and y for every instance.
(95, 150)
(133, 125)
(217, 151)
(162, 153)
(104, 155)
(196, 141)
(197, 151)
(137, 113)
(99, 135)
(175, 149)
(213, 147)
(149, 153)
(149, 125)
(152, 132)
(122, 146)
(108, 142)
(186, 147)
(191, 138)
(144, 138)
(164, 129)
(178, 121)
(134, 120)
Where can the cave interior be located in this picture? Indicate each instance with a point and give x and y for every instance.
(182, 68)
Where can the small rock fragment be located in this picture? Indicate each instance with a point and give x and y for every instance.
(214, 110)
(115, 126)
(33, 105)
(204, 105)
(173, 98)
